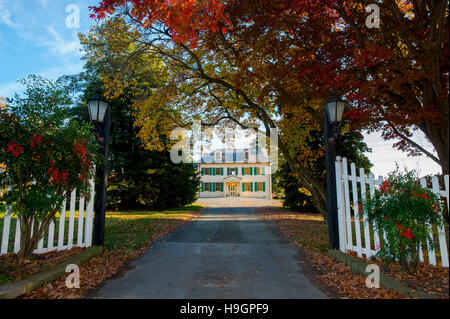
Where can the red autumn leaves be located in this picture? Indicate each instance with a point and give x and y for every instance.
(56, 176)
(79, 149)
(17, 149)
(14, 148)
(406, 232)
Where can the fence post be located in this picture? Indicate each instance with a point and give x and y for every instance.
(340, 206)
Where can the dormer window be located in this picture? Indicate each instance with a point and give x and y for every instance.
(218, 156)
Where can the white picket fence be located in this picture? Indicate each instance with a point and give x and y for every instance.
(56, 239)
(349, 219)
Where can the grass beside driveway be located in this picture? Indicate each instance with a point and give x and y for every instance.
(127, 235)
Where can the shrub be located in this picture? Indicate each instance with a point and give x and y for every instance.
(45, 155)
(403, 211)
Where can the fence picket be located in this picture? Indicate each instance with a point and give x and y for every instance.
(365, 217)
(17, 236)
(348, 216)
(40, 247)
(440, 228)
(71, 218)
(89, 215)
(80, 222)
(376, 237)
(51, 235)
(356, 210)
(62, 220)
(6, 228)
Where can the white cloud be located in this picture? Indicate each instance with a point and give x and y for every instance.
(384, 156)
(60, 45)
(5, 16)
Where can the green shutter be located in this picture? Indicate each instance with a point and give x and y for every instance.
(263, 171)
(221, 187)
(213, 187)
(264, 186)
(203, 171)
(203, 187)
(243, 171)
(251, 171)
(221, 171)
(236, 169)
(228, 171)
(243, 187)
(213, 171)
(251, 186)
(256, 186)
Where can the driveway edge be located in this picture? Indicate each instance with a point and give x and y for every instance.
(25, 286)
(359, 267)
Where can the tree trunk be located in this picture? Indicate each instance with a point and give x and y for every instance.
(31, 233)
(307, 180)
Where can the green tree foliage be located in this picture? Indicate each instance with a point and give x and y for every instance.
(139, 178)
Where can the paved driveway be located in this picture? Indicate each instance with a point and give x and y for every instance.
(229, 252)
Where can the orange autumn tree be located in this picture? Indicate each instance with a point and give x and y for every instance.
(281, 57)
(206, 84)
(396, 77)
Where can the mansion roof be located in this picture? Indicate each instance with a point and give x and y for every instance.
(228, 156)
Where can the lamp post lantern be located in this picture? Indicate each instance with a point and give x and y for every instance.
(333, 111)
(100, 116)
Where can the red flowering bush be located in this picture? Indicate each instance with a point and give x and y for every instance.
(402, 210)
(45, 155)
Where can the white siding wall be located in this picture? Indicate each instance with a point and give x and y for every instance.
(266, 178)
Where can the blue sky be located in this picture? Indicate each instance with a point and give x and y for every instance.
(34, 39)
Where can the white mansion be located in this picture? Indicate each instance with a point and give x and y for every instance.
(235, 172)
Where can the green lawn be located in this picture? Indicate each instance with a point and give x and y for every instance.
(128, 228)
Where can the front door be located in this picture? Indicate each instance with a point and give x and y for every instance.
(233, 190)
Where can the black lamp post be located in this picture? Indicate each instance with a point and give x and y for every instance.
(100, 116)
(333, 111)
